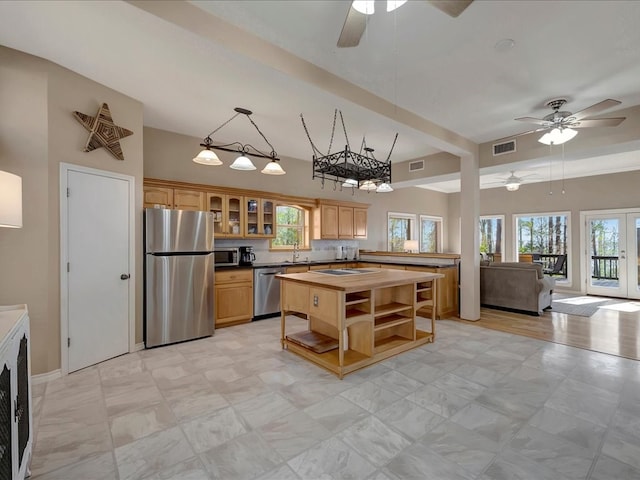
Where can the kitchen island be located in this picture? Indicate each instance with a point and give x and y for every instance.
(356, 317)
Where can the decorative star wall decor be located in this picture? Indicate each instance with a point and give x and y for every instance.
(103, 132)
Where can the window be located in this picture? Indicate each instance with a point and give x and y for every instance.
(543, 238)
(400, 228)
(292, 226)
(491, 234)
(430, 234)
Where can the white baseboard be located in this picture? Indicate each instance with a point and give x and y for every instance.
(45, 377)
(138, 347)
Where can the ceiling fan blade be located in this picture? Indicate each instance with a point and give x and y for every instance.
(537, 121)
(499, 140)
(600, 122)
(353, 28)
(593, 109)
(453, 8)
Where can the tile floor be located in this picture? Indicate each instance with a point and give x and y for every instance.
(476, 404)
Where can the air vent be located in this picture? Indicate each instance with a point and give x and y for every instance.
(502, 148)
(417, 165)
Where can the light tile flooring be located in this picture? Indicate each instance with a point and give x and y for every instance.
(476, 404)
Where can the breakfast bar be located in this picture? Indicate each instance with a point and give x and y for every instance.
(356, 316)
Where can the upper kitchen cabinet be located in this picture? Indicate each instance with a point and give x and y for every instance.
(228, 214)
(178, 198)
(188, 199)
(158, 196)
(260, 214)
(340, 220)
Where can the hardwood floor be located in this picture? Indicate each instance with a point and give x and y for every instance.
(607, 331)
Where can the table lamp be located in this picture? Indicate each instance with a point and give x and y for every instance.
(411, 246)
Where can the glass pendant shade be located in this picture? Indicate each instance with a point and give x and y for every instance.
(384, 188)
(512, 187)
(368, 185)
(558, 136)
(393, 4)
(207, 157)
(273, 168)
(242, 163)
(350, 182)
(364, 6)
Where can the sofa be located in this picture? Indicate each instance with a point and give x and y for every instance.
(515, 286)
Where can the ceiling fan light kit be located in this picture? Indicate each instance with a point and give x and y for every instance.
(558, 136)
(243, 162)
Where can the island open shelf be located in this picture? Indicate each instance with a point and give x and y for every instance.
(356, 320)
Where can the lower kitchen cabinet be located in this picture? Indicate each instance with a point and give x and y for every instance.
(233, 296)
(447, 304)
(16, 427)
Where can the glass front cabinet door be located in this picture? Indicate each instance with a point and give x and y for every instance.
(260, 215)
(227, 214)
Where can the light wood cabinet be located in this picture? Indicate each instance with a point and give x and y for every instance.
(188, 199)
(359, 223)
(345, 222)
(228, 214)
(158, 196)
(233, 296)
(339, 221)
(447, 301)
(178, 198)
(260, 215)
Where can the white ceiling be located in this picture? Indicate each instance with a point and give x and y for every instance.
(445, 70)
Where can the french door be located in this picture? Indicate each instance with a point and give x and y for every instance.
(612, 244)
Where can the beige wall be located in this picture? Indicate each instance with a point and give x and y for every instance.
(37, 133)
(168, 156)
(619, 190)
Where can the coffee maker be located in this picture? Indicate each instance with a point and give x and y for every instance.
(247, 257)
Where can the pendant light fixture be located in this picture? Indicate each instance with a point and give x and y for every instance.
(243, 162)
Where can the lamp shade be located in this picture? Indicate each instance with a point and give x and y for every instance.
(242, 163)
(384, 188)
(393, 4)
(273, 168)
(411, 246)
(350, 182)
(207, 157)
(368, 185)
(558, 136)
(364, 6)
(10, 200)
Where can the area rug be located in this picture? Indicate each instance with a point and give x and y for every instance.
(580, 305)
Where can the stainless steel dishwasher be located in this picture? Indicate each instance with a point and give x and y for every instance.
(266, 292)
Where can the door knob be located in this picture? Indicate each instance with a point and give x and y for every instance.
(125, 276)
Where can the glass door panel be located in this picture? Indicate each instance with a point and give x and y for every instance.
(606, 244)
(633, 254)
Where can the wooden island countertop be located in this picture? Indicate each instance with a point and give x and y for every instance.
(356, 319)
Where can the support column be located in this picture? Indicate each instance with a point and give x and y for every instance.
(469, 237)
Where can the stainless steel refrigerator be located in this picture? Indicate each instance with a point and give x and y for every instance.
(179, 274)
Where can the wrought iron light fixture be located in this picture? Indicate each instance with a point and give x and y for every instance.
(351, 169)
(243, 162)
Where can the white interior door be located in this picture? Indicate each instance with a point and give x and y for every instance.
(98, 248)
(613, 254)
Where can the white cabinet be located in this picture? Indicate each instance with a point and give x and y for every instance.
(16, 428)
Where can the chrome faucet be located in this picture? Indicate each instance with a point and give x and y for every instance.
(296, 252)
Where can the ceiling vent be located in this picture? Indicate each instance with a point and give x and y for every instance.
(417, 165)
(502, 148)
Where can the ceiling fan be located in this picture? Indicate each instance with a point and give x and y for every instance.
(512, 182)
(564, 121)
(356, 21)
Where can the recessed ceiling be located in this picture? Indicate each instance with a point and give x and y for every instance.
(440, 69)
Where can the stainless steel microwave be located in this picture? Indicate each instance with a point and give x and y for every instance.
(226, 256)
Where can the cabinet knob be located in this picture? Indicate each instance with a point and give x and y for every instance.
(125, 276)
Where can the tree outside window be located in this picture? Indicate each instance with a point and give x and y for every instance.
(291, 227)
(430, 234)
(491, 234)
(400, 228)
(544, 236)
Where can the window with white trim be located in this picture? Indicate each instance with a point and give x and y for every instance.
(400, 227)
(430, 234)
(292, 226)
